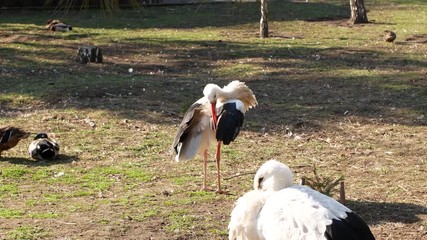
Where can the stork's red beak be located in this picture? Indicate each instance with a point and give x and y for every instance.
(214, 117)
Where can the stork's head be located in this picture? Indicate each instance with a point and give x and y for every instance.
(211, 92)
(273, 176)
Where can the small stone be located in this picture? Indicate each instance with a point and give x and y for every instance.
(60, 174)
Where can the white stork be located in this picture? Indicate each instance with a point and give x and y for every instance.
(278, 210)
(218, 116)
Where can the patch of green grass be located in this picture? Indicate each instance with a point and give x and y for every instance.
(121, 201)
(52, 198)
(180, 220)
(43, 215)
(79, 193)
(182, 180)
(41, 174)
(31, 202)
(153, 143)
(178, 202)
(103, 178)
(203, 194)
(14, 172)
(89, 181)
(143, 216)
(401, 86)
(137, 175)
(141, 201)
(46, 199)
(20, 100)
(219, 232)
(97, 183)
(192, 198)
(239, 70)
(230, 152)
(11, 213)
(81, 207)
(105, 221)
(8, 189)
(26, 233)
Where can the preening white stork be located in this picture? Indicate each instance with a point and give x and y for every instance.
(278, 210)
(218, 116)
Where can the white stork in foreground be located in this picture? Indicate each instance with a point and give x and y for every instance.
(278, 210)
(218, 116)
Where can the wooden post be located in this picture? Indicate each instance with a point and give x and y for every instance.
(342, 192)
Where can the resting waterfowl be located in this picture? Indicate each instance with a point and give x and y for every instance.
(43, 147)
(10, 137)
(389, 36)
(57, 25)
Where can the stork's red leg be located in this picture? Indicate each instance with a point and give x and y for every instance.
(218, 159)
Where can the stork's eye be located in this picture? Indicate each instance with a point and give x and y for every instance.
(260, 181)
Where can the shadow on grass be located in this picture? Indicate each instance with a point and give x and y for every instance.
(380, 212)
(309, 92)
(61, 159)
(198, 15)
(299, 86)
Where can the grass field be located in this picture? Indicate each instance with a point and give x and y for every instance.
(332, 97)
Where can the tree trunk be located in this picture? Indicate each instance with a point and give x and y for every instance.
(263, 24)
(358, 12)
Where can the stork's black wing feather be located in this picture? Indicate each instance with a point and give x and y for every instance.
(229, 123)
(351, 228)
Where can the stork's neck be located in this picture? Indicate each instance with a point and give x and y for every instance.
(234, 90)
(223, 95)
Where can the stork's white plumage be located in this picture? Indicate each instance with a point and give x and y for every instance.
(278, 210)
(218, 116)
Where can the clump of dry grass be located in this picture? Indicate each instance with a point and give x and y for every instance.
(324, 184)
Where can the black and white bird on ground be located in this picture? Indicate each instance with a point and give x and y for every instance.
(216, 117)
(43, 147)
(278, 210)
(58, 26)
